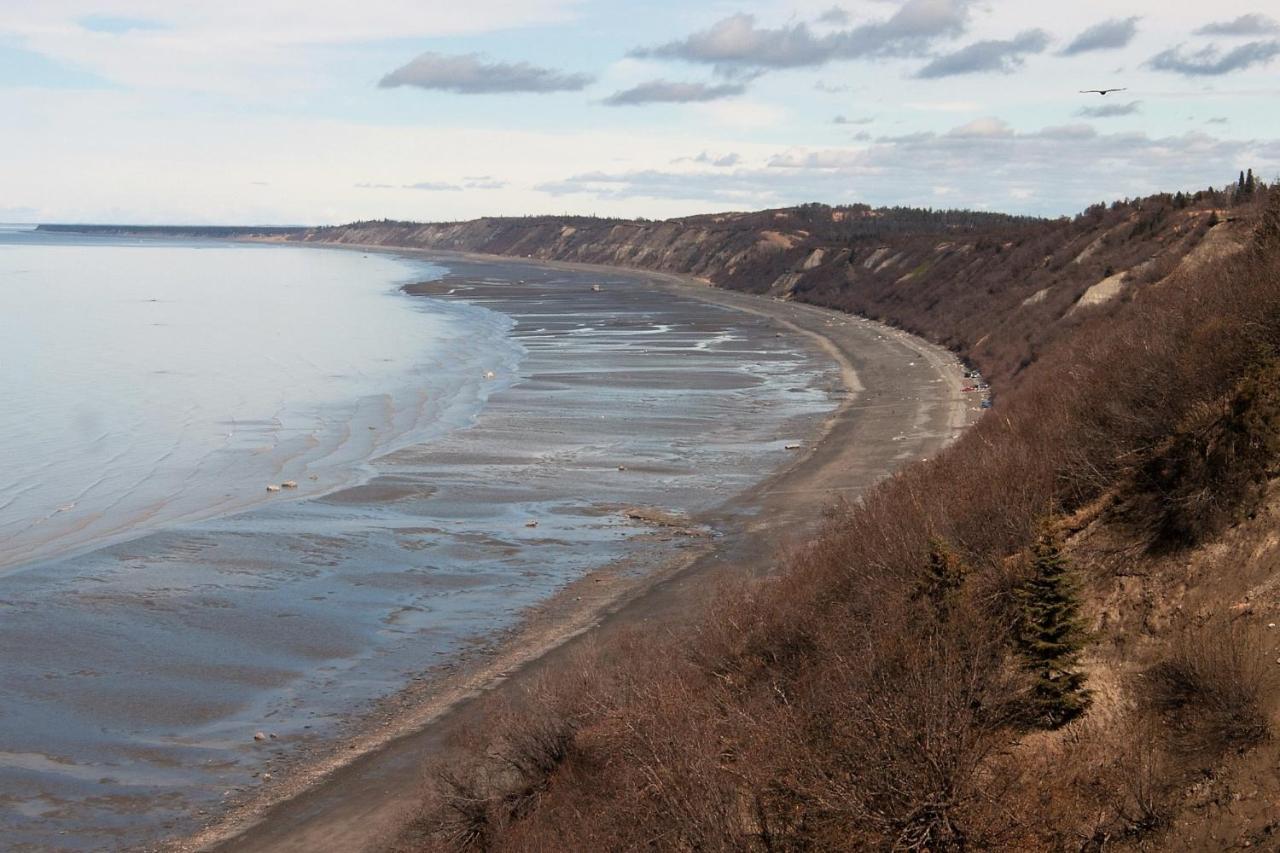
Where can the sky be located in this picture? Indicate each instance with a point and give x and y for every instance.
(317, 112)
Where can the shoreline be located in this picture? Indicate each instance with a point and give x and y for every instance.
(298, 617)
(331, 801)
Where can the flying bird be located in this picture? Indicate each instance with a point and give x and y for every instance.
(1100, 91)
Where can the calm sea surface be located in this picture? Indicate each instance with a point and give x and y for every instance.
(143, 384)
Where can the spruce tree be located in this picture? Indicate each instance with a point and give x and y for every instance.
(1050, 637)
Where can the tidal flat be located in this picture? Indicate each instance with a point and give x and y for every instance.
(138, 674)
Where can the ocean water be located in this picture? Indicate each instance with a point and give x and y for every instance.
(144, 384)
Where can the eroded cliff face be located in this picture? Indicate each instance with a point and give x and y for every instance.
(717, 254)
(993, 288)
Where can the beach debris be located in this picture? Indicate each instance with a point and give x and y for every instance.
(272, 487)
(290, 484)
(668, 524)
(259, 736)
(622, 467)
(266, 777)
(791, 447)
(531, 524)
(489, 374)
(596, 288)
(656, 517)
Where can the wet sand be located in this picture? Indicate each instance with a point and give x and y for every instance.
(137, 675)
(900, 401)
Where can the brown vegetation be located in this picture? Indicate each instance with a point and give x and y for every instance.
(872, 694)
(1215, 467)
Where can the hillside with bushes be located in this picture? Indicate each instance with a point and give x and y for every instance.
(1057, 635)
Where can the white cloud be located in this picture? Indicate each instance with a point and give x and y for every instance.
(738, 42)
(1111, 34)
(1058, 169)
(673, 92)
(1211, 62)
(471, 74)
(993, 55)
(1246, 25)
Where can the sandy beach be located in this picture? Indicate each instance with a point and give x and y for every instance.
(898, 400)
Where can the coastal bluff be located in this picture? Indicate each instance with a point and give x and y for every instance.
(991, 287)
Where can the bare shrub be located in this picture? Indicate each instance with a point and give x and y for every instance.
(887, 746)
(465, 815)
(491, 781)
(1214, 469)
(1214, 688)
